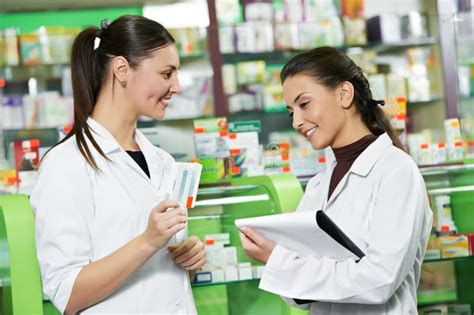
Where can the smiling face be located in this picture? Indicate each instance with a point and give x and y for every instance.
(316, 110)
(154, 82)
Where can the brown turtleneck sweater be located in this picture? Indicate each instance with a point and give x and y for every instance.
(345, 157)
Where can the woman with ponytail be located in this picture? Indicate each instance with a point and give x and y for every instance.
(103, 222)
(373, 191)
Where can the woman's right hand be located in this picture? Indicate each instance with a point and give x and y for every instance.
(165, 220)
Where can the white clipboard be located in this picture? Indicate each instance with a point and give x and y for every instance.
(309, 233)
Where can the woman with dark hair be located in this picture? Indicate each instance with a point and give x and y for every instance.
(374, 192)
(103, 223)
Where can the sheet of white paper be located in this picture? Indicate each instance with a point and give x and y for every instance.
(297, 231)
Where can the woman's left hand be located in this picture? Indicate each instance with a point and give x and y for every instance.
(255, 245)
(189, 254)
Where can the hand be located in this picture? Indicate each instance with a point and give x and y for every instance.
(165, 220)
(255, 245)
(189, 254)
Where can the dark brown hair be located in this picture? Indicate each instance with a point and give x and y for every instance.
(330, 67)
(130, 36)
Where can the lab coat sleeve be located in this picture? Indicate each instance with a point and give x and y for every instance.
(395, 229)
(63, 206)
(302, 204)
(291, 302)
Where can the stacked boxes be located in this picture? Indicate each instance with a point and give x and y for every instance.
(222, 264)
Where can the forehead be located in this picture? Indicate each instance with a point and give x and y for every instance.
(163, 57)
(301, 83)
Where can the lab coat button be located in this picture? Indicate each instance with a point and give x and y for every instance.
(180, 304)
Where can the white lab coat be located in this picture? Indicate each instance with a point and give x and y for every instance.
(382, 204)
(83, 216)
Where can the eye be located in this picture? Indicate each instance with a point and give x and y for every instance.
(167, 75)
(290, 114)
(303, 105)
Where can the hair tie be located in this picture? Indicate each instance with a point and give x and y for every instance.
(374, 103)
(104, 24)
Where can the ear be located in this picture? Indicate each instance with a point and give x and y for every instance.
(346, 94)
(121, 69)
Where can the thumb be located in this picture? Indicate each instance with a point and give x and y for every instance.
(254, 236)
(165, 205)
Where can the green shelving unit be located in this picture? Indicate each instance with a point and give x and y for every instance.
(241, 297)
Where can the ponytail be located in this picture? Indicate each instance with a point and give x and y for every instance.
(130, 36)
(370, 112)
(330, 67)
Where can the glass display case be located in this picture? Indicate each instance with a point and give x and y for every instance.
(464, 43)
(446, 279)
(216, 209)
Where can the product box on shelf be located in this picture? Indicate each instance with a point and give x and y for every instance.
(414, 25)
(470, 237)
(228, 12)
(384, 28)
(27, 160)
(352, 8)
(211, 137)
(454, 246)
(244, 148)
(355, 31)
(226, 39)
(10, 47)
(286, 36)
(258, 11)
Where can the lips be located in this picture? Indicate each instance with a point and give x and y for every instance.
(309, 133)
(165, 101)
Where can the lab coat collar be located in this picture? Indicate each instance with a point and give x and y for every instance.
(366, 160)
(108, 144)
(102, 136)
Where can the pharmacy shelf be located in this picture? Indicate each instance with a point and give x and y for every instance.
(22, 6)
(435, 297)
(466, 98)
(443, 191)
(219, 190)
(20, 73)
(283, 56)
(390, 47)
(54, 71)
(454, 259)
(430, 101)
(223, 283)
(445, 169)
(231, 200)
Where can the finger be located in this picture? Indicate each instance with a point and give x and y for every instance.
(248, 245)
(192, 260)
(165, 205)
(175, 229)
(254, 236)
(245, 239)
(168, 224)
(171, 213)
(189, 247)
(173, 247)
(198, 264)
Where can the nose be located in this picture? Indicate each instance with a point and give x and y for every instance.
(176, 86)
(297, 122)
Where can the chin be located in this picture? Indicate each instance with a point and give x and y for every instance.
(319, 145)
(157, 115)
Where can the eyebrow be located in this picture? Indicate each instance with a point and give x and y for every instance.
(171, 67)
(297, 98)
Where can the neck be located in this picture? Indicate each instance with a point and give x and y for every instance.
(350, 133)
(114, 114)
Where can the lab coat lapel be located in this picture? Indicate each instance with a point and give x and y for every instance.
(363, 164)
(161, 164)
(112, 149)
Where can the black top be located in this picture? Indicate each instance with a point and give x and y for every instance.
(345, 157)
(138, 157)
